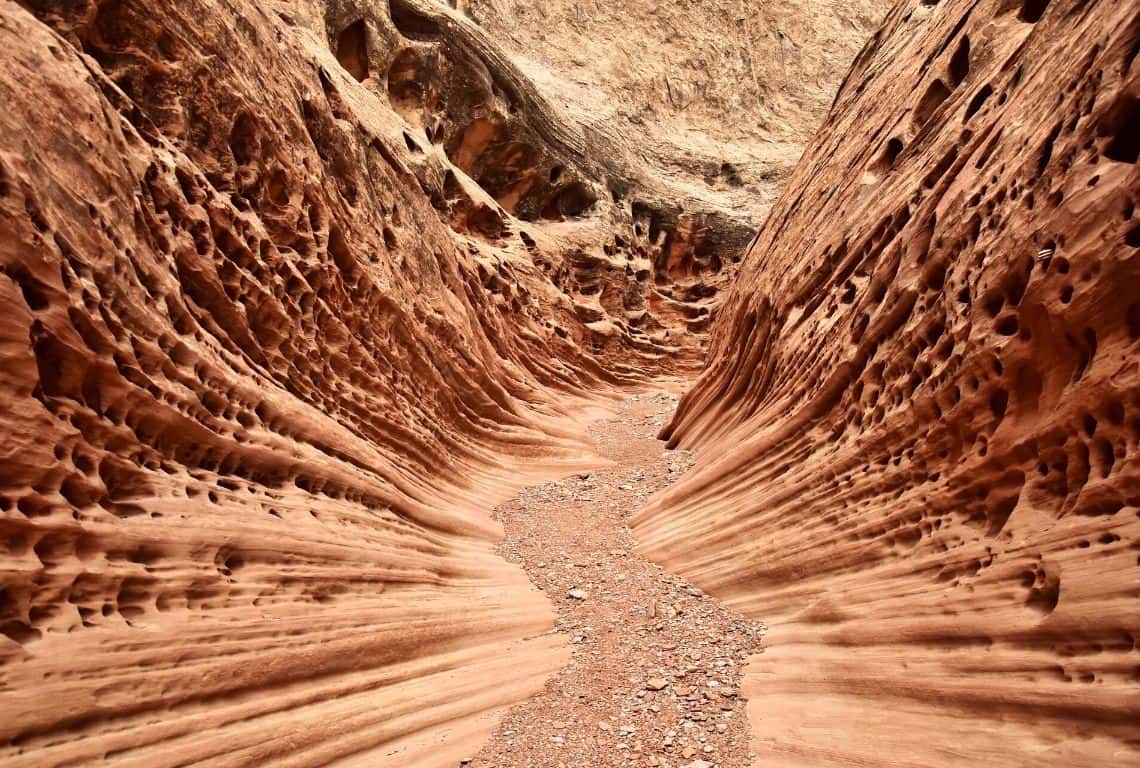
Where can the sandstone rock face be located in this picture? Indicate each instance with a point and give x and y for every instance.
(725, 92)
(293, 294)
(920, 420)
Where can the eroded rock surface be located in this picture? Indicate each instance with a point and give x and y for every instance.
(920, 421)
(295, 292)
(252, 388)
(269, 356)
(725, 91)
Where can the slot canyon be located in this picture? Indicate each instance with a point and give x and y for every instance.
(714, 384)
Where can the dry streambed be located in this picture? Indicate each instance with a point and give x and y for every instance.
(654, 676)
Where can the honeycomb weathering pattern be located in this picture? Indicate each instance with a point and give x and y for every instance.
(258, 392)
(293, 289)
(920, 416)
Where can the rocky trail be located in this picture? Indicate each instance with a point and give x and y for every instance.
(654, 676)
(308, 305)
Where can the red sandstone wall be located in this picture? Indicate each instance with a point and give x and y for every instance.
(255, 402)
(920, 421)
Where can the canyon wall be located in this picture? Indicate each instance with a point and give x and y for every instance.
(919, 425)
(294, 293)
(725, 92)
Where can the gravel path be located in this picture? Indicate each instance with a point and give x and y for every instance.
(654, 675)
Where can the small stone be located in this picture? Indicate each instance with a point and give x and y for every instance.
(578, 594)
(688, 752)
(656, 683)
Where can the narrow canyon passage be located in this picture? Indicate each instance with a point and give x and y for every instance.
(316, 316)
(654, 676)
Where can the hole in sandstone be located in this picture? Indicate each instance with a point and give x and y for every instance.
(1086, 353)
(1007, 326)
(574, 200)
(555, 173)
(1115, 412)
(935, 95)
(999, 401)
(352, 49)
(1089, 424)
(890, 154)
(935, 276)
(1032, 10)
(1132, 317)
(1044, 598)
(1001, 508)
(960, 62)
(979, 100)
(34, 294)
(1046, 153)
(1122, 124)
(19, 632)
(245, 139)
(1132, 239)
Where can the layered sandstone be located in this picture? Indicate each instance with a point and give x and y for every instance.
(723, 93)
(920, 420)
(294, 292)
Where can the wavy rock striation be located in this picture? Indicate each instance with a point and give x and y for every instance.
(289, 292)
(920, 420)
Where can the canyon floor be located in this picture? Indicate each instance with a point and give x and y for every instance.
(332, 372)
(654, 676)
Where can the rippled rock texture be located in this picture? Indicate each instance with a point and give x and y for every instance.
(920, 421)
(288, 292)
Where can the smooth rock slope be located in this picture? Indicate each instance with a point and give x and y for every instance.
(919, 426)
